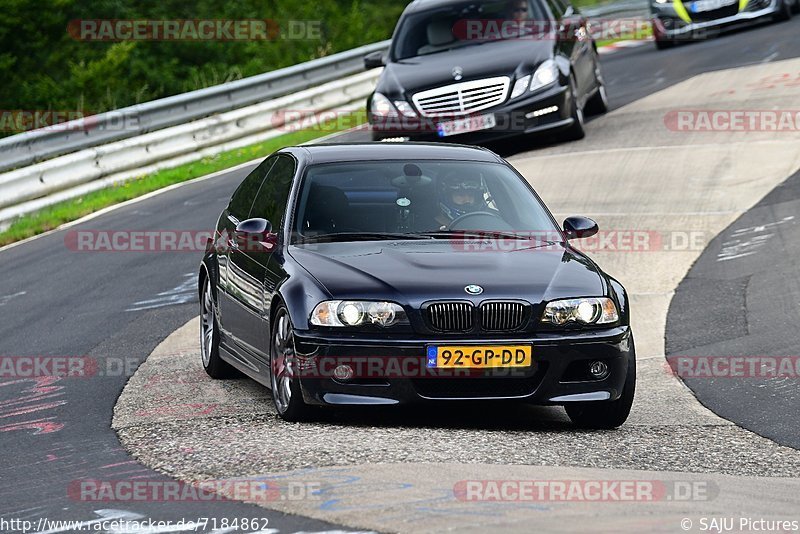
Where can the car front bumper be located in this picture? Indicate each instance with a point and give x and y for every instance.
(669, 24)
(557, 375)
(542, 111)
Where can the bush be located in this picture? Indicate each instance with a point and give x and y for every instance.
(45, 68)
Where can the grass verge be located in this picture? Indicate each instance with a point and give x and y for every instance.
(70, 210)
(640, 35)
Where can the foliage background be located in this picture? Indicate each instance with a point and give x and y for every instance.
(44, 68)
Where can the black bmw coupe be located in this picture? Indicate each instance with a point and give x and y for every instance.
(384, 274)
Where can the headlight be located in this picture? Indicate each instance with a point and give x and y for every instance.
(382, 107)
(546, 74)
(405, 108)
(599, 310)
(357, 313)
(521, 86)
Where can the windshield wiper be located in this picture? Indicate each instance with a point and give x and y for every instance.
(362, 236)
(450, 234)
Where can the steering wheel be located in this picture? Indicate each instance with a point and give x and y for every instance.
(482, 220)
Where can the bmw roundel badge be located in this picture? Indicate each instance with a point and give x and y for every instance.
(473, 289)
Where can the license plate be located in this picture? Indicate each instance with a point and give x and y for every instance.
(479, 357)
(465, 125)
(709, 5)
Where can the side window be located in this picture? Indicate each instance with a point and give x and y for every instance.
(242, 199)
(271, 200)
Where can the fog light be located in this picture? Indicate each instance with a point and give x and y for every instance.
(540, 112)
(598, 370)
(343, 372)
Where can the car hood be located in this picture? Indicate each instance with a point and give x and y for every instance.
(501, 58)
(413, 272)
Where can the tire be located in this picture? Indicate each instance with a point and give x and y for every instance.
(286, 395)
(576, 131)
(598, 103)
(605, 415)
(663, 44)
(796, 7)
(214, 365)
(784, 13)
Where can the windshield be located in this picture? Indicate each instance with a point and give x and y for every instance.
(397, 199)
(465, 24)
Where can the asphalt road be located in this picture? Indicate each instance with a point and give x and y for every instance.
(742, 299)
(117, 305)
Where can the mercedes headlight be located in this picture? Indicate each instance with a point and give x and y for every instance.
(382, 106)
(599, 310)
(405, 108)
(521, 86)
(546, 74)
(357, 313)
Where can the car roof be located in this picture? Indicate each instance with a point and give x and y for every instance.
(336, 152)
(418, 5)
(421, 5)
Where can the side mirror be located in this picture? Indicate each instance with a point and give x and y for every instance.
(579, 227)
(373, 60)
(255, 235)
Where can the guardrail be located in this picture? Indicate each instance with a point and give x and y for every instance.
(39, 145)
(35, 186)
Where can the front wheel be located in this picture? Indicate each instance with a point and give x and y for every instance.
(575, 131)
(606, 415)
(784, 13)
(598, 103)
(663, 44)
(286, 394)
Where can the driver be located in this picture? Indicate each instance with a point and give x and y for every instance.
(460, 193)
(518, 10)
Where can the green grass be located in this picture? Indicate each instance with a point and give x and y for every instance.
(589, 3)
(642, 34)
(70, 210)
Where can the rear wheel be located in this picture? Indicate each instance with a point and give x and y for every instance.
(604, 414)
(214, 365)
(576, 130)
(796, 7)
(286, 393)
